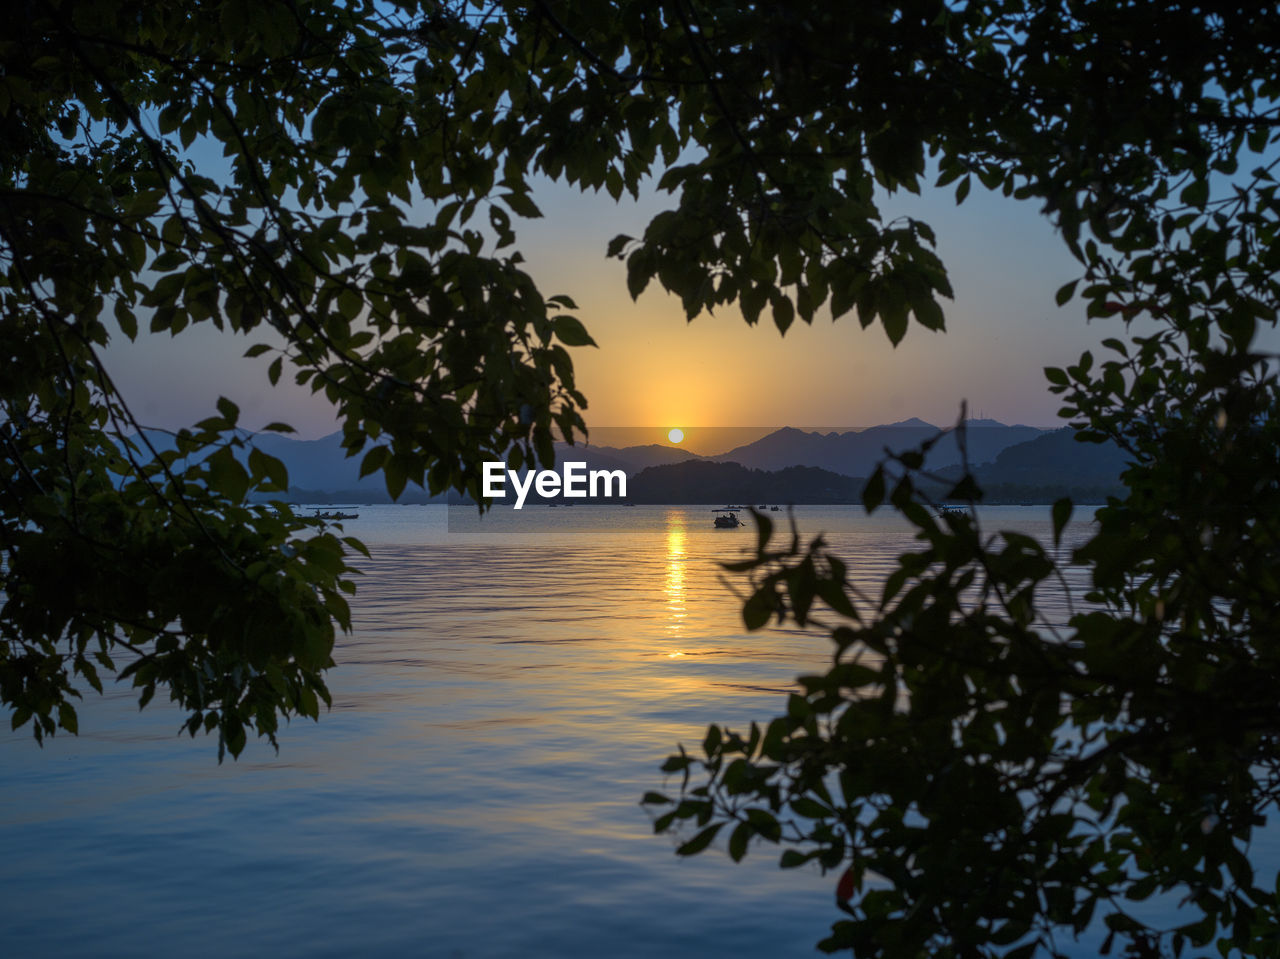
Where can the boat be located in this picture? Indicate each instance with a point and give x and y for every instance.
(337, 514)
(774, 509)
(727, 519)
(951, 511)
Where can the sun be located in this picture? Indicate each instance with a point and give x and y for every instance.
(676, 435)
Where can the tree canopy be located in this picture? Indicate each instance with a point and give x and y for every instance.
(347, 179)
(986, 781)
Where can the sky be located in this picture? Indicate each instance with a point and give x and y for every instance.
(654, 369)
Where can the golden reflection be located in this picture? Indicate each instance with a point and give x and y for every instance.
(674, 587)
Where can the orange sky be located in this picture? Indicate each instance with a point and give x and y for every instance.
(654, 369)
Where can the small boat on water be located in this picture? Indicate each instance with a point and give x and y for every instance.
(774, 509)
(336, 514)
(726, 518)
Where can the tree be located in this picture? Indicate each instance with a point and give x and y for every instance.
(1129, 756)
(125, 555)
(315, 172)
(983, 782)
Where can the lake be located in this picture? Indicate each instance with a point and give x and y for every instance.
(508, 694)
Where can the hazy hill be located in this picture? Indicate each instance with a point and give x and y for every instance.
(319, 464)
(1040, 470)
(1054, 457)
(630, 459)
(856, 454)
(720, 484)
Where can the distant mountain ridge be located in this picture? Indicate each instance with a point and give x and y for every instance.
(1024, 456)
(848, 453)
(705, 482)
(856, 454)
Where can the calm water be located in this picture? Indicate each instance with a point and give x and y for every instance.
(508, 694)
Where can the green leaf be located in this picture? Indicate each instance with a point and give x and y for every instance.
(1061, 515)
(128, 322)
(873, 492)
(757, 609)
(738, 840)
(570, 331)
(373, 460)
(521, 205)
(395, 476)
(229, 410)
(263, 464)
(699, 842)
(1196, 193)
(227, 476)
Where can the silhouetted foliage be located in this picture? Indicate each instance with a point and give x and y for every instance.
(984, 781)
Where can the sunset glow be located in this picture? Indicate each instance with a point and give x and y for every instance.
(676, 435)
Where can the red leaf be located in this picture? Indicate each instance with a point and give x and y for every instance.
(844, 889)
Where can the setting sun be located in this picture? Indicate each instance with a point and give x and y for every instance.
(676, 435)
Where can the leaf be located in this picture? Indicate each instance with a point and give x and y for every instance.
(349, 303)
(711, 742)
(263, 464)
(570, 331)
(638, 273)
(847, 885)
(373, 460)
(738, 841)
(395, 476)
(128, 322)
(1061, 515)
(1196, 193)
(764, 530)
(227, 476)
(873, 492)
(757, 609)
(894, 319)
(967, 490)
(521, 205)
(699, 842)
(229, 410)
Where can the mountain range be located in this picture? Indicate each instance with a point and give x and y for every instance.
(1015, 456)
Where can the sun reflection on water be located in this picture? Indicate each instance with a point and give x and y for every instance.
(674, 587)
